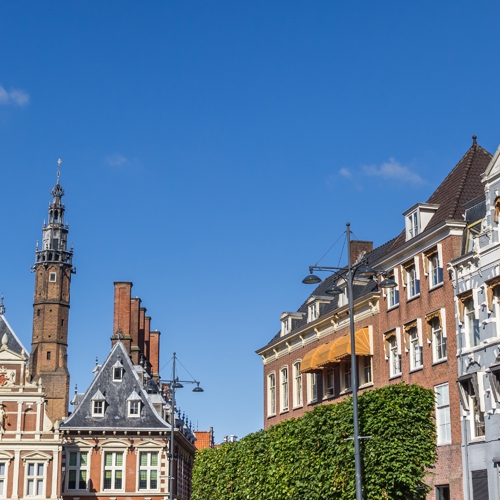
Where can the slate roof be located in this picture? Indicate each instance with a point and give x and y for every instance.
(13, 342)
(460, 186)
(115, 394)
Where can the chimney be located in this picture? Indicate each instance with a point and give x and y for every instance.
(147, 330)
(142, 322)
(154, 352)
(135, 350)
(359, 249)
(121, 316)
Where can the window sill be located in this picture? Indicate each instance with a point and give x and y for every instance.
(284, 411)
(328, 397)
(443, 444)
(395, 306)
(419, 369)
(439, 361)
(398, 375)
(271, 415)
(297, 407)
(313, 402)
(434, 287)
(480, 439)
(413, 297)
(345, 391)
(364, 386)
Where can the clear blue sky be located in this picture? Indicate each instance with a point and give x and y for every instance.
(212, 150)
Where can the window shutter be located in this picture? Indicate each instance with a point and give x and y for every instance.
(480, 484)
(440, 274)
(417, 286)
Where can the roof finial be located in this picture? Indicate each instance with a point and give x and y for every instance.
(2, 307)
(58, 170)
(474, 140)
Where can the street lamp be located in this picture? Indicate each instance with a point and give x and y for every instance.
(174, 384)
(367, 272)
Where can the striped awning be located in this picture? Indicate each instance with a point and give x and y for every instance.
(335, 351)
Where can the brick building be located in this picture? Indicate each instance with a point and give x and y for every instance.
(117, 440)
(404, 334)
(116, 443)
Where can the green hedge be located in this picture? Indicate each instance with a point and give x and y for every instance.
(309, 458)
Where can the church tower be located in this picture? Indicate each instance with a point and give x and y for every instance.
(53, 268)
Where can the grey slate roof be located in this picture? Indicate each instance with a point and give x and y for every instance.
(115, 394)
(13, 343)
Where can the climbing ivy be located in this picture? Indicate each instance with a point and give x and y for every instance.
(312, 457)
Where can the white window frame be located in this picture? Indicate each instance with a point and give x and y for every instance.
(394, 354)
(36, 479)
(329, 382)
(435, 269)
(471, 392)
(415, 348)
(78, 468)
(4, 476)
(313, 312)
(98, 408)
(285, 326)
(443, 417)
(149, 469)
(471, 322)
(134, 408)
(412, 280)
(365, 370)
(113, 468)
(346, 375)
(438, 338)
(271, 394)
(393, 293)
(297, 385)
(284, 396)
(52, 277)
(117, 373)
(413, 224)
(312, 387)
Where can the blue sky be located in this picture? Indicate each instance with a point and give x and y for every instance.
(212, 150)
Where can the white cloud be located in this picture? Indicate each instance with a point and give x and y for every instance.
(116, 160)
(16, 97)
(393, 170)
(345, 172)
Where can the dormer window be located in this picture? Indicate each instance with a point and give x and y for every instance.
(316, 305)
(313, 311)
(290, 321)
(117, 371)
(285, 328)
(134, 402)
(98, 401)
(417, 218)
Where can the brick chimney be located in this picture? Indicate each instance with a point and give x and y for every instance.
(154, 353)
(359, 248)
(147, 336)
(135, 350)
(121, 316)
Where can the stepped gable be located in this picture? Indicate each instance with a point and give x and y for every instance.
(13, 343)
(115, 395)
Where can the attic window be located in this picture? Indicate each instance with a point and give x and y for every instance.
(412, 224)
(98, 400)
(134, 405)
(52, 277)
(117, 372)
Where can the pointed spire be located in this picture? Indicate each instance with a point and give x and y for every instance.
(2, 307)
(474, 140)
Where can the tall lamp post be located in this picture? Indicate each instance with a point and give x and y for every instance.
(365, 271)
(174, 384)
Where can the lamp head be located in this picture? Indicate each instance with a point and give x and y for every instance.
(311, 279)
(198, 388)
(387, 283)
(366, 272)
(334, 290)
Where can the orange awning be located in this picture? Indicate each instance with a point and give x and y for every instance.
(309, 362)
(341, 347)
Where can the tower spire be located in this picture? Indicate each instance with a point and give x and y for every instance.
(53, 269)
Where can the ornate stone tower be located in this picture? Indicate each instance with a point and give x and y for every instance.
(53, 268)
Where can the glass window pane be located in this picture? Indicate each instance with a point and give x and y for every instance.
(119, 459)
(39, 487)
(40, 470)
(31, 469)
(153, 480)
(118, 480)
(108, 459)
(2, 469)
(154, 459)
(1, 487)
(83, 459)
(30, 487)
(144, 459)
(72, 479)
(72, 459)
(107, 480)
(82, 484)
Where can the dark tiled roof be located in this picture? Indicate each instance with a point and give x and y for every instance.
(116, 394)
(13, 343)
